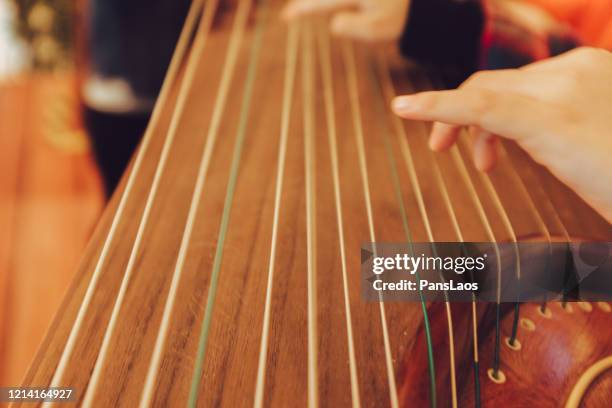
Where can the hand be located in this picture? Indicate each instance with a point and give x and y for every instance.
(366, 20)
(559, 110)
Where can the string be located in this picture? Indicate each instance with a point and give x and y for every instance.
(425, 216)
(213, 131)
(513, 173)
(545, 201)
(325, 52)
(186, 85)
(440, 182)
(477, 401)
(460, 164)
(447, 201)
(128, 186)
(380, 88)
(539, 221)
(311, 248)
(171, 77)
(505, 220)
(291, 58)
(349, 61)
(490, 188)
(229, 197)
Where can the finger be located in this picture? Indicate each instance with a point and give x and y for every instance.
(483, 79)
(539, 84)
(506, 80)
(443, 136)
(356, 25)
(570, 59)
(509, 115)
(298, 8)
(485, 151)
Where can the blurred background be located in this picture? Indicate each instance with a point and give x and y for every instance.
(71, 65)
(50, 191)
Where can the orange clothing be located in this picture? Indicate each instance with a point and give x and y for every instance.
(592, 19)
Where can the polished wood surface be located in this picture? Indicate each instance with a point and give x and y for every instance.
(309, 356)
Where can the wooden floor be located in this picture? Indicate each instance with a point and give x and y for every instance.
(50, 198)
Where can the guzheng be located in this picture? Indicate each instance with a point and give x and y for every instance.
(226, 269)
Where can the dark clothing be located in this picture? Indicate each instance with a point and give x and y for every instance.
(134, 40)
(470, 35)
(114, 138)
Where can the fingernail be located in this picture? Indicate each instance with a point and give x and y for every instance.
(403, 104)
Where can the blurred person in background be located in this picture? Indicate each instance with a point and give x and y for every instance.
(129, 47)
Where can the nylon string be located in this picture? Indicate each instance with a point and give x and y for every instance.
(213, 131)
(229, 197)
(349, 61)
(384, 89)
(291, 62)
(424, 214)
(186, 86)
(530, 203)
(171, 75)
(539, 221)
(449, 206)
(486, 180)
(448, 203)
(548, 203)
(328, 95)
(311, 234)
(308, 83)
(460, 164)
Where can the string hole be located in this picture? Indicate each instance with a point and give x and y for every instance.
(586, 306)
(528, 324)
(516, 346)
(545, 312)
(567, 307)
(500, 379)
(604, 306)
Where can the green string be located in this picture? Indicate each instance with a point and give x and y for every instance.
(241, 134)
(398, 193)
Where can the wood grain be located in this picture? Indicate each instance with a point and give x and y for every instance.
(231, 355)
